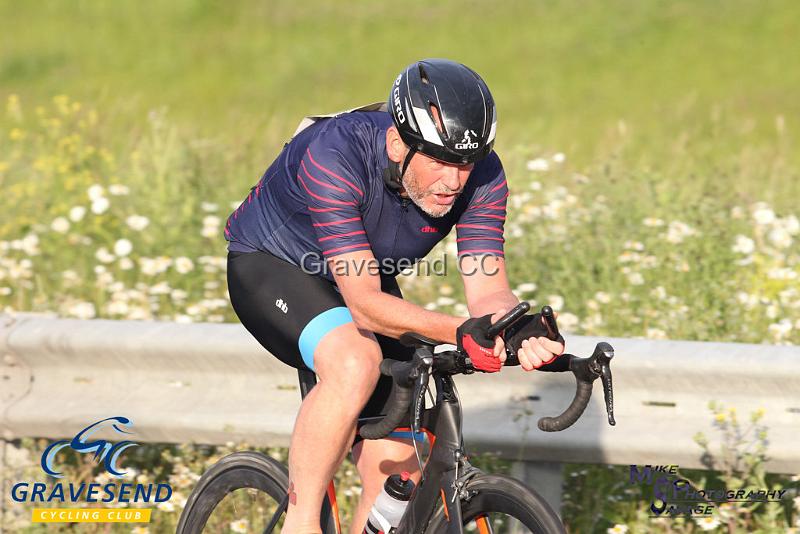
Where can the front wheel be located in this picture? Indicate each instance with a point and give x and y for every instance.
(244, 491)
(500, 504)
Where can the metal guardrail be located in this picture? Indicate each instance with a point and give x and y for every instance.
(213, 383)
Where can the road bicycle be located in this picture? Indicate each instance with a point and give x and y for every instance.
(453, 496)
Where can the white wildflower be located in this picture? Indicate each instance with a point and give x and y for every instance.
(167, 506)
(60, 225)
(559, 157)
(535, 186)
(183, 264)
(161, 288)
(123, 247)
(780, 237)
(653, 222)
(707, 523)
(659, 292)
(100, 205)
(137, 222)
(555, 301)
(118, 189)
(602, 297)
(126, 264)
(782, 273)
(677, 231)
(527, 287)
(781, 329)
(744, 245)
(763, 215)
(104, 256)
(538, 165)
(634, 245)
(240, 525)
(76, 213)
(791, 224)
(636, 278)
(209, 207)
(5, 291)
(445, 301)
(567, 321)
(737, 212)
(618, 529)
(183, 319)
(117, 307)
(655, 333)
(96, 192)
(30, 244)
(82, 310)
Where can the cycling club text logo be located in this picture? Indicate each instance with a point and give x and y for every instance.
(103, 450)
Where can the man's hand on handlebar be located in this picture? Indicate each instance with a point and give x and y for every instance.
(533, 344)
(486, 354)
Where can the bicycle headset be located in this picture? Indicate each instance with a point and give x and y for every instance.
(464, 105)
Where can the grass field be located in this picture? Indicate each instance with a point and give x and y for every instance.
(652, 150)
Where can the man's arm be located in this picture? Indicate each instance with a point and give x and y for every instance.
(356, 274)
(487, 290)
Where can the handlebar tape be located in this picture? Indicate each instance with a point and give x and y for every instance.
(571, 414)
(398, 403)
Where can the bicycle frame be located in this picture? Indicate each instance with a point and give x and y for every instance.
(446, 470)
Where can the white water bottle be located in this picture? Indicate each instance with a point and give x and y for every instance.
(390, 504)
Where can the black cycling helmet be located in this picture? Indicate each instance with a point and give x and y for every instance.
(463, 103)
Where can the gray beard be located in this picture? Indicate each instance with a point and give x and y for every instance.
(416, 196)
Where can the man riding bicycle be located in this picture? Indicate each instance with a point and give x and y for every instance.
(315, 248)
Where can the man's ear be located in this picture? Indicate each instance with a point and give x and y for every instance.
(395, 147)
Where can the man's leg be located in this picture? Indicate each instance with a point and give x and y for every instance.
(346, 361)
(376, 460)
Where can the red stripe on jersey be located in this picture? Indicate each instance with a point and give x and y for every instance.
(345, 248)
(479, 227)
(332, 223)
(323, 184)
(357, 232)
(320, 167)
(324, 199)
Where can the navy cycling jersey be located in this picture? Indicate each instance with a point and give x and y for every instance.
(325, 195)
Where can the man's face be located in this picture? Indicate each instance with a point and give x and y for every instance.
(434, 185)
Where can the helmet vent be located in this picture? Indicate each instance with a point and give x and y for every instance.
(437, 120)
(423, 76)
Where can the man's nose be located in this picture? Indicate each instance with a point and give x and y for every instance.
(450, 178)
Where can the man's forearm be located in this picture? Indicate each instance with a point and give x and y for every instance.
(501, 300)
(392, 316)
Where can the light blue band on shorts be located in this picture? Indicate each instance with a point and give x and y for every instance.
(406, 434)
(316, 329)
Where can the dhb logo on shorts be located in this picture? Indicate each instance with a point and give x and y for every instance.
(282, 306)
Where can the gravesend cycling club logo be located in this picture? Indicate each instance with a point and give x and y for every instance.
(117, 493)
(103, 450)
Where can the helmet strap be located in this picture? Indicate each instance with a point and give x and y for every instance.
(393, 175)
(411, 152)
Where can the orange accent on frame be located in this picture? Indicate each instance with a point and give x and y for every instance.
(334, 506)
(483, 524)
(444, 503)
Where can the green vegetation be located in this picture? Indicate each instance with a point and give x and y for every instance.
(651, 147)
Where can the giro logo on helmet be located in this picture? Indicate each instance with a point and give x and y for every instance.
(398, 108)
(466, 143)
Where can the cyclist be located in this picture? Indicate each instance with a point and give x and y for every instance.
(315, 248)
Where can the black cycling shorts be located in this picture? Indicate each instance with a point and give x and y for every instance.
(289, 311)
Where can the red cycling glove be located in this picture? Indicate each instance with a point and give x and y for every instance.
(473, 340)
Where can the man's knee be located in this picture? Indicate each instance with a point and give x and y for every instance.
(349, 359)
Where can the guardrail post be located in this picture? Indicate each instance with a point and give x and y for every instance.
(547, 478)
